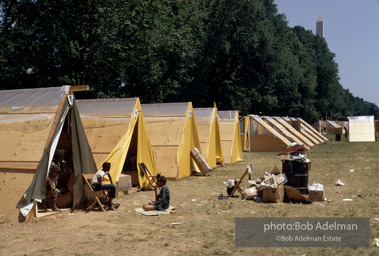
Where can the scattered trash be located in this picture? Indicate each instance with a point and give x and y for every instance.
(347, 200)
(338, 191)
(194, 200)
(351, 170)
(376, 240)
(330, 201)
(176, 223)
(322, 205)
(340, 183)
(243, 200)
(258, 199)
(250, 193)
(221, 196)
(375, 219)
(360, 196)
(316, 192)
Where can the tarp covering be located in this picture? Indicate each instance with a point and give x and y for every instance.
(230, 135)
(173, 134)
(111, 125)
(361, 128)
(209, 135)
(83, 161)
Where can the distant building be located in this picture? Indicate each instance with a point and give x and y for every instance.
(320, 26)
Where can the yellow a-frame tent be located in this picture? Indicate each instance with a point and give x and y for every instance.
(173, 133)
(117, 133)
(209, 135)
(230, 135)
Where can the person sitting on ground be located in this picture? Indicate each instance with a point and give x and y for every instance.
(162, 201)
(97, 183)
(56, 168)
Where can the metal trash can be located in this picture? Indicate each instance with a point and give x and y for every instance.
(297, 173)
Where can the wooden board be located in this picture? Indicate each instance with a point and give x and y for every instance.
(165, 159)
(13, 186)
(294, 131)
(311, 129)
(227, 150)
(227, 135)
(279, 128)
(310, 134)
(265, 143)
(361, 132)
(103, 134)
(24, 141)
(268, 130)
(166, 132)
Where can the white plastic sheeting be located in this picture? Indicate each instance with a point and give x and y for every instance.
(361, 128)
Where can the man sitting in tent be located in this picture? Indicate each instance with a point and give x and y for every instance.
(57, 165)
(97, 183)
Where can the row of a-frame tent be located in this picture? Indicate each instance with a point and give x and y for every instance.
(262, 134)
(35, 122)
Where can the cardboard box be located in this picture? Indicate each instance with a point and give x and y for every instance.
(250, 193)
(200, 161)
(124, 183)
(316, 196)
(273, 195)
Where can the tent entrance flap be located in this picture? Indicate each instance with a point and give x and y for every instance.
(130, 161)
(37, 190)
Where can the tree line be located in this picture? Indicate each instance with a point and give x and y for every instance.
(240, 54)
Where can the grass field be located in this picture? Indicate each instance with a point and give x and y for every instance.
(206, 223)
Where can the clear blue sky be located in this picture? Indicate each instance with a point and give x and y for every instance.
(351, 30)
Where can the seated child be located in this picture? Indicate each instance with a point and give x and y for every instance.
(163, 199)
(97, 183)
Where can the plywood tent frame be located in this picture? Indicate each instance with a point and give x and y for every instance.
(305, 132)
(264, 138)
(29, 107)
(318, 135)
(208, 129)
(282, 129)
(230, 132)
(111, 116)
(294, 131)
(327, 127)
(173, 133)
